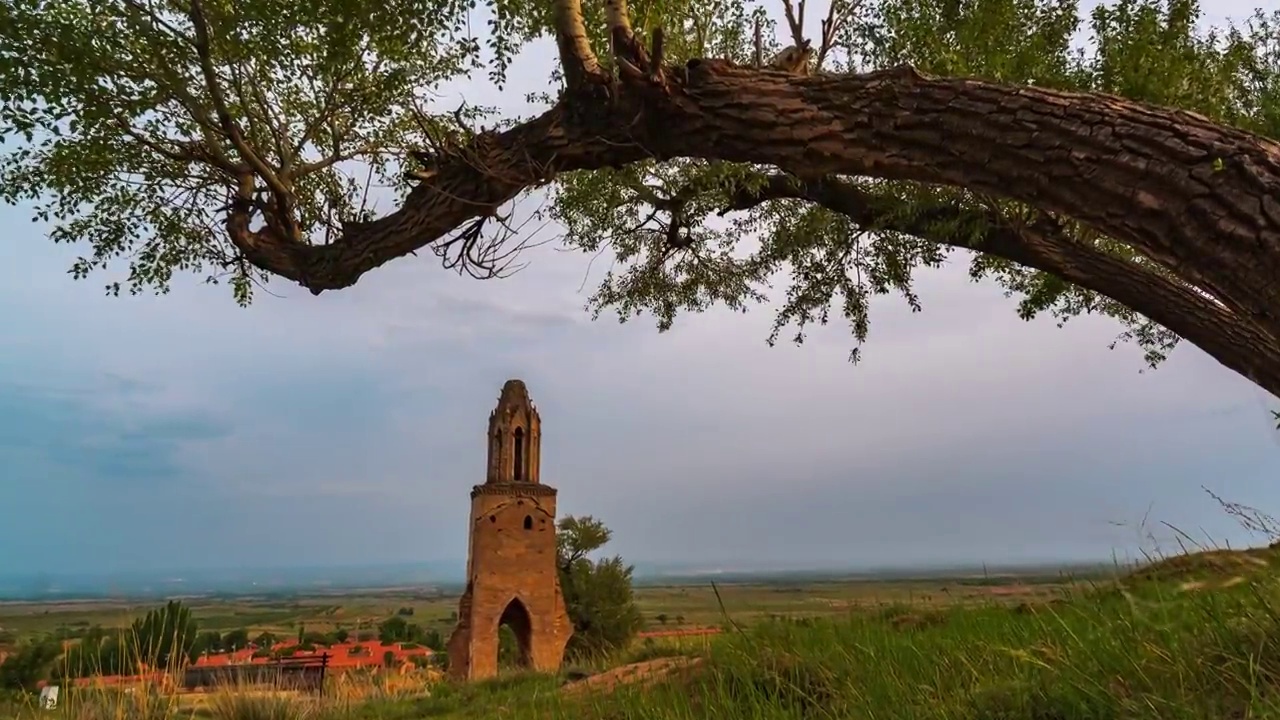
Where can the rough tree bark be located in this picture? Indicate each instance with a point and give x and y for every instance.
(1045, 245)
(1201, 199)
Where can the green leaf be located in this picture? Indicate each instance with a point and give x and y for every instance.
(121, 150)
(1153, 50)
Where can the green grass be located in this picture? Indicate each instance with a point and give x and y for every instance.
(1152, 653)
(1190, 638)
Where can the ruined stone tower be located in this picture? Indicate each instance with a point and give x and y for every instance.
(511, 557)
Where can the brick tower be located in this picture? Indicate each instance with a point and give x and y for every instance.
(511, 557)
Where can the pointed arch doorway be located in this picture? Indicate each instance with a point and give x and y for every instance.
(518, 625)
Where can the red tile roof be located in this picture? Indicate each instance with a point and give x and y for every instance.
(342, 657)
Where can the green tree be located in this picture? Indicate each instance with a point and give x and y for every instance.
(393, 629)
(340, 635)
(597, 594)
(237, 639)
(208, 641)
(265, 640)
(314, 637)
(112, 654)
(214, 137)
(29, 664)
(98, 652)
(432, 639)
(164, 637)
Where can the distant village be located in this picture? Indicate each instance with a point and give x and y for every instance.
(399, 657)
(340, 657)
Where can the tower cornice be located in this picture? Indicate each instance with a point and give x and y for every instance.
(513, 488)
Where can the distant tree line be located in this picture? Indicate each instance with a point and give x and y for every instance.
(598, 597)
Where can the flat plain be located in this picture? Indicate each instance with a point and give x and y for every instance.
(1193, 637)
(663, 606)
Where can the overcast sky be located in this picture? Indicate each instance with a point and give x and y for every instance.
(349, 428)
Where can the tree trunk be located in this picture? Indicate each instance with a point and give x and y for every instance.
(1201, 199)
(1044, 245)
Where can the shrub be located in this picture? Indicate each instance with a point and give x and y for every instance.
(598, 594)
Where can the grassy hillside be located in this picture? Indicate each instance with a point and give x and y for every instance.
(1188, 637)
(1193, 637)
(1210, 568)
(1099, 655)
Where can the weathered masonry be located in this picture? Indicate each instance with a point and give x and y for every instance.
(511, 557)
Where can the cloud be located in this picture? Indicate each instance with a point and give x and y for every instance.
(70, 431)
(349, 428)
(182, 431)
(83, 462)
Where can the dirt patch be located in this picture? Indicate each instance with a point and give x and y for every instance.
(642, 673)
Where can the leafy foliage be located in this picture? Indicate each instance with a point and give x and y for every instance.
(28, 664)
(1148, 50)
(396, 629)
(125, 149)
(236, 639)
(508, 647)
(98, 653)
(140, 120)
(165, 636)
(597, 594)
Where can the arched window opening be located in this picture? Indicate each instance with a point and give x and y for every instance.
(528, 522)
(515, 636)
(519, 455)
(495, 457)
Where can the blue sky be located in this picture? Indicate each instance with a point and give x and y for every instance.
(348, 428)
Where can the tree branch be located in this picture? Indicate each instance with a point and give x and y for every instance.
(1044, 245)
(283, 196)
(576, 57)
(465, 184)
(1197, 197)
(795, 21)
(617, 18)
(837, 13)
